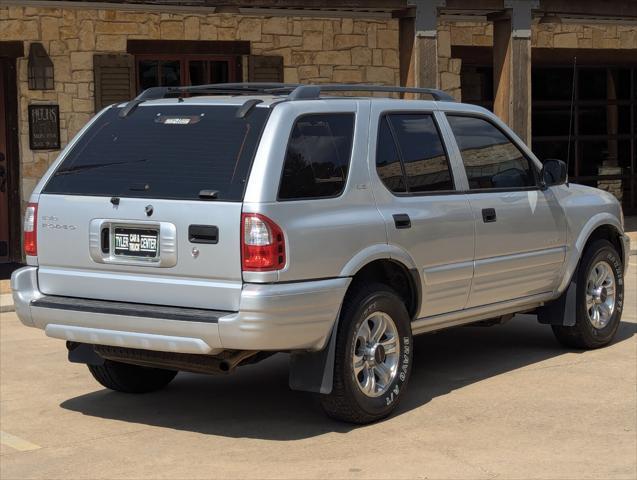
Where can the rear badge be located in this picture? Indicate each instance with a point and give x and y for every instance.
(149, 210)
(168, 120)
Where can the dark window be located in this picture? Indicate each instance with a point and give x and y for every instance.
(174, 70)
(163, 152)
(424, 160)
(491, 160)
(388, 163)
(317, 158)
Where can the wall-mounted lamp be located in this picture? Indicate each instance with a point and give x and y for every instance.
(40, 68)
(550, 18)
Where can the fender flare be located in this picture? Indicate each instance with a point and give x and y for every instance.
(576, 251)
(314, 371)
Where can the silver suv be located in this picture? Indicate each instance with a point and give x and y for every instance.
(204, 228)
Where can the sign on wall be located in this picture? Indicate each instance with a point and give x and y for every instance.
(44, 127)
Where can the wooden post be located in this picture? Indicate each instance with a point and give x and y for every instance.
(419, 46)
(512, 67)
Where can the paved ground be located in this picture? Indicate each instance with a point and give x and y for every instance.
(503, 402)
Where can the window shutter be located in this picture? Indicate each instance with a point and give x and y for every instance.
(265, 69)
(114, 79)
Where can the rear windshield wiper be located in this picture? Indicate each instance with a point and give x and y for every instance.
(82, 168)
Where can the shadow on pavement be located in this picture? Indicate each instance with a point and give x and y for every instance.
(256, 402)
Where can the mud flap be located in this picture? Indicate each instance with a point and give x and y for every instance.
(314, 371)
(562, 311)
(83, 353)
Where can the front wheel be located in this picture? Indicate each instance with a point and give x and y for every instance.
(600, 299)
(373, 358)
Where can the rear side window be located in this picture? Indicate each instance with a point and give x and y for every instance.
(388, 164)
(170, 152)
(318, 156)
(490, 159)
(409, 145)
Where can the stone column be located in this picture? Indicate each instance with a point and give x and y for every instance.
(512, 65)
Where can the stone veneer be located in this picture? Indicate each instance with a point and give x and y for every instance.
(313, 50)
(549, 35)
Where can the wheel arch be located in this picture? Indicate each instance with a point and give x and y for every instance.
(600, 226)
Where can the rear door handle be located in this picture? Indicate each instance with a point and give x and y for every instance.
(402, 220)
(203, 234)
(488, 215)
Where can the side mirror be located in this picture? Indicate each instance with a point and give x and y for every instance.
(554, 172)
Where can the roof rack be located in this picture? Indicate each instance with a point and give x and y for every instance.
(293, 91)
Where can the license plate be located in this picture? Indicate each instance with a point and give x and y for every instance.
(136, 242)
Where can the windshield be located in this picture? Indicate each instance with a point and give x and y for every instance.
(163, 152)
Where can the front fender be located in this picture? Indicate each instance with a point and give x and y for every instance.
(576, 249)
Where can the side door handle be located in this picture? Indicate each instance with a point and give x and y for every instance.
(402, 220)
(203, 234)
(488, 215)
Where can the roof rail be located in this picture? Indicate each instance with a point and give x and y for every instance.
(294, 91)
(304, 92)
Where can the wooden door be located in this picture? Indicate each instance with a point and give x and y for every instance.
(4, 168)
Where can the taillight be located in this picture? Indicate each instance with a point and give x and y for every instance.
(262, 244)
(31, 230)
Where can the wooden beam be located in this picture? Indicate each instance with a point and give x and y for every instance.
(512, 77)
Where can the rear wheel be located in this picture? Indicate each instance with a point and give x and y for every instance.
(127, 378)
(600, 299)
(373, 356)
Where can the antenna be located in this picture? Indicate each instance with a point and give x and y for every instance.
(570, 121)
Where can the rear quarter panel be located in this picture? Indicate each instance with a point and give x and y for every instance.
(322, 235)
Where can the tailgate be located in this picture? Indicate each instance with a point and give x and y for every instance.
(146, 208)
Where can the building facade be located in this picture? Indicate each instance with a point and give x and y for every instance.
(61, 61)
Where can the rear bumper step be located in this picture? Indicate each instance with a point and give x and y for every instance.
(129, 309)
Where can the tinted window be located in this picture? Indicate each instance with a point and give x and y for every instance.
(163, 152)
(425, 162)
(317, 158)
(388, 161)
(489, 157)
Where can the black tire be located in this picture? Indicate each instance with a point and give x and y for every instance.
(584, 335)
(347, 402)
(127, 378)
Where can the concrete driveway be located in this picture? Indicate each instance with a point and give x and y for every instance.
(505, 402)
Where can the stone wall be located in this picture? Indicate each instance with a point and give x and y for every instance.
(313, 49)
(548, 35)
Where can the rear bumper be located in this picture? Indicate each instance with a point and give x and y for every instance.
(289, 316)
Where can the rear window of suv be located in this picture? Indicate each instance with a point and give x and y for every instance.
(170, 152)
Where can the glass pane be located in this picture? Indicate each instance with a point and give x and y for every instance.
(219, 72)
(317, 158)
(551, 149)
(489, 157)
(608, 153)
(624, 158)
(477, 84)
(170, 74)
(619, 84)
(550, 121)
(387, 160)
(426, 164)
(592, 84)
(604, 84)
(198, 72)
(552, 83)
(148, 74)
(604, 120)
(176, 151)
